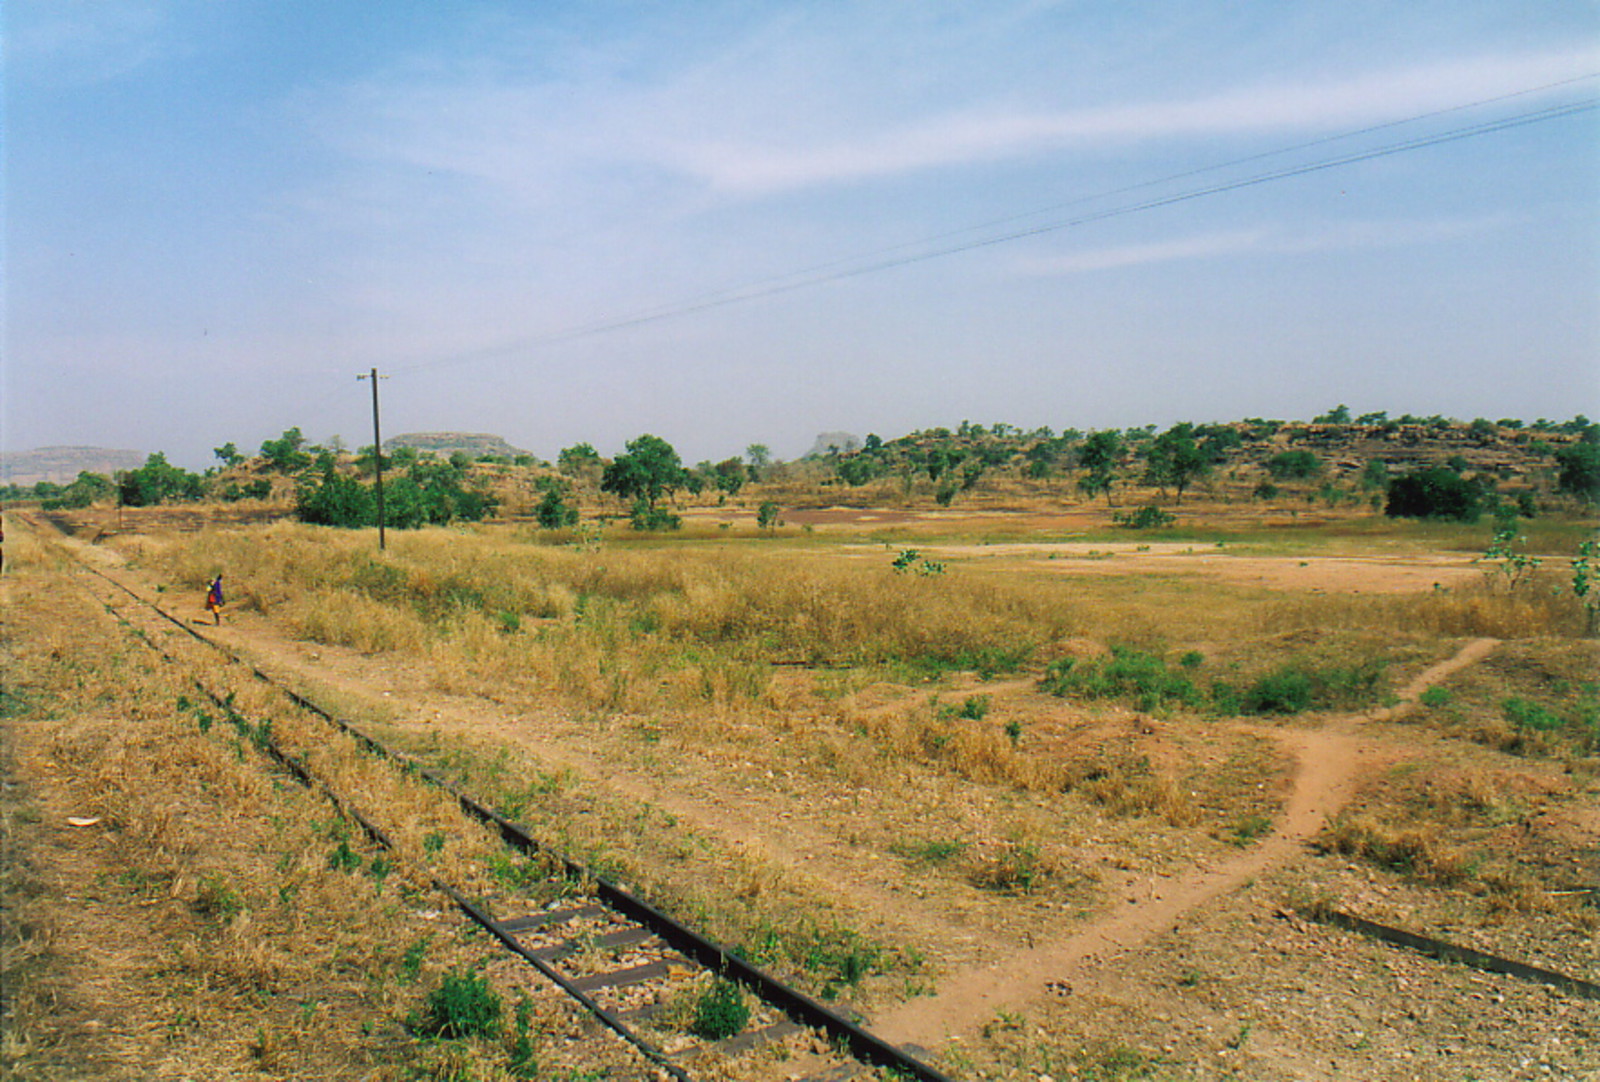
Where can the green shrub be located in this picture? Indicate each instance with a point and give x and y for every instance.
(1435, 493)
(720, 1012)
(1294, 687)
(1146, 518)
(1524, 714)
(1294, 466)
(554, 512)
(1129, 674)
(644, 516)
(464, 1005)
(937, 851)
(1284, 691)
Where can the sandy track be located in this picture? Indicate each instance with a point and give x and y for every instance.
(1329, 763)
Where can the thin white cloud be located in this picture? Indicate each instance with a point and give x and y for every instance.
(980, 136)
(745, 129)
(85, 43)
(1342, 236)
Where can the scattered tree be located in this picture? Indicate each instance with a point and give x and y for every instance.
(1174, 459)
(760, 458)
(649, 471)
(579, 460)
(158, 481)
(286, 454)
(1099, 456)
(555, 511)
(729, 475)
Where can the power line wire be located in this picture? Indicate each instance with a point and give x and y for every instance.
(825, 273)
(1112, 193)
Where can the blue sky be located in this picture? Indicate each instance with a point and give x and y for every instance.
(216, 215)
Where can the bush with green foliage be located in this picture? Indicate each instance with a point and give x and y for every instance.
(432, 493)
(464, 1005)
(83, 491)
(1127, 674)
(286, 454)
(1578, 467)
(720, 1012)
(643, 516)
(1294, 466)
(1434, 493)
(1146, 518)
(858, 469)
(157, 481)
(336, 500)
(259, 489)
(555, 511)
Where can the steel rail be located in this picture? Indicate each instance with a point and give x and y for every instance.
(306, 777)
(863, 1045)
(1454, 952)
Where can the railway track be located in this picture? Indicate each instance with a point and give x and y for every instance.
(618, 957)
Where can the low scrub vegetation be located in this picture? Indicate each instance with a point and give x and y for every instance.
(1147, 682)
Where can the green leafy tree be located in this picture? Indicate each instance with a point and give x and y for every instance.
(729, 475)
(1174, 459)
(286, 454)
(1339, 415)
(228, 454)
(158, 481)
(1217, 440)
(857, 469)
(580, 460)
(336, 500)
(85, 490)
(942, 460)
(647, 473)
(1098, 457)
(555, 510)
(759, 455)
(1578, 466)
(435, 494)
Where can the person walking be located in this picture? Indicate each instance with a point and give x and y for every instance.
(214, 599)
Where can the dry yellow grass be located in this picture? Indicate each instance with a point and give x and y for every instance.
(257, 931)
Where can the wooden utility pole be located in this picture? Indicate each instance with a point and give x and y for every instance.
(377, 453)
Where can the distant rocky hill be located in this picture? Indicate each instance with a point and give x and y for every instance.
(446, 444)
(841, 442)
(63, 464)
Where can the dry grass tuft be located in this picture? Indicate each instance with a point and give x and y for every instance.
(1124, 784)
